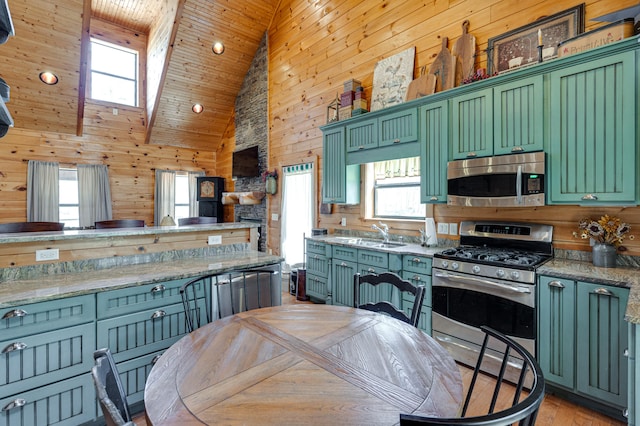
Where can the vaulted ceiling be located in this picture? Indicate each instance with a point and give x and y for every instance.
(181, 68)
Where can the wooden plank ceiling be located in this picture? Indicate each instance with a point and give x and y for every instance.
(48, 36)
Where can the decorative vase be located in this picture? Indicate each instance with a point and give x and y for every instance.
(604, 255)
(270, 185)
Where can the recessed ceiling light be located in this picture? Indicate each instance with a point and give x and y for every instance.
(48, 77)
(218, 48)
(197, 108)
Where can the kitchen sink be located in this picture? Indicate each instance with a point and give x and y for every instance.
(367, 243)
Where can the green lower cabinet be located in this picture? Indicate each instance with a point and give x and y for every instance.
(342, 272)
(317, 264)
(602, 342)
(65, 403)
(317, 287)
(424, 322)
(583, 338)
(134, 373)
(633, 416)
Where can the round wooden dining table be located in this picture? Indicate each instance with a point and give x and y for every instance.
(302, 364)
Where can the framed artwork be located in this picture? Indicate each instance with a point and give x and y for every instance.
(208, 188)
(391, 78)
(519, 47)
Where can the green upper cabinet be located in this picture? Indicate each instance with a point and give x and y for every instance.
(362, 135)
(434, 138)
(592, 146)
(340, 184)
(472, 125)
(518, 115)
(399, 127)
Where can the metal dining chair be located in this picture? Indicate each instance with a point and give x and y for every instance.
(110, 392)
(385, 306)
(522, 412)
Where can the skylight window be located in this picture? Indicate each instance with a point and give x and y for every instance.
(114, 73)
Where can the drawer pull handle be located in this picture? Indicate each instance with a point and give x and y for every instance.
(416, 278)
(472, 154)
(159, 288)
(158, 314)
(14, 314)
(557, 284)
(625, 353)
(16, 403)
(517, 149)
(371, 270)
(590, 197)
(603, 292)
(396, 141)
(416, 260)
(15, 346)
(343, 264)
(361, 147)
(155, 359)
(434, 198)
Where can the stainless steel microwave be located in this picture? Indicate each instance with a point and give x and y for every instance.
(514, 180)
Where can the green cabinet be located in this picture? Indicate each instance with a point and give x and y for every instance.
(340, 183)
(434, 145)
(398, 128)
(362, 135)
(634, 375)
(583, 338)
(593, 143)
(318, 267)
(472, 125)
(417, 270)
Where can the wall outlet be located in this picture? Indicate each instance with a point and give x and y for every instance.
(214, 239)
(274, 217)
(443, 228)
(453, 229)
(343, 221)
(48, 254)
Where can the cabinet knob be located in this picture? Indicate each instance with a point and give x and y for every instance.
(625, 353)
(590, 197)
(15, 346)
(371, 270)
(343, 264)
(603, 292)
(396, 141)
(16, 403)
(433, 198)
(517, 149)
(361, 147)
(14, 314)
(416, 260)
(472, 154)
(158, 314)
(416, 278)
(556, 284)
(158, 289)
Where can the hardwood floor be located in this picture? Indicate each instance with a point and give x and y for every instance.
(554, 410)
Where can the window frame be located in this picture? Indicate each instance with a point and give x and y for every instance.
(370, 196)
(61, 205)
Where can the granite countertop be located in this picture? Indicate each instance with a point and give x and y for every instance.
(118, 232)
(58, 286)
(405, 248)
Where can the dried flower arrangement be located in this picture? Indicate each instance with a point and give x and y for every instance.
(606, 230)
(267, 174)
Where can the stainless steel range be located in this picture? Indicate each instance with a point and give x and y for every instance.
(488, 280)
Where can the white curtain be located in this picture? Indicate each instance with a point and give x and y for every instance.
(164, 201)
(193, 193)
(404, 167)
(298, 211)
(43, 199)
(94, 194)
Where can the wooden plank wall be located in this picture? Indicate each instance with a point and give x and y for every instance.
(315, 46)
(115, 140)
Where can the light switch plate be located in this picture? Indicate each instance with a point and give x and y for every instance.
(443, 228)
(453, 229)
(48, 254)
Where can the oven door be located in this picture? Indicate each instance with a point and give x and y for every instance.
(461, 303)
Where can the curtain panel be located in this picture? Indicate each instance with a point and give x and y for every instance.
(43, 189)
(298, 211)
(193, 193)
(164, 200)
(94, 194)
(404, 167)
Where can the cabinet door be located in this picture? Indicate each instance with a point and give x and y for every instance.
(518, 116)
(472, 125)
(592, 149)
(362, 135)
(556, 330)
(317, 287)
(342, 272)
(601, 342)
(134, 373)
(434, 145)
(399, 127)
(424, 321)
(340, 184)
(134, 299)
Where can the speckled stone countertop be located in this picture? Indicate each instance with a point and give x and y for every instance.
(58, 286)
(585, 271)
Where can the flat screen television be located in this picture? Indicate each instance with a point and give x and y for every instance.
(246, 163)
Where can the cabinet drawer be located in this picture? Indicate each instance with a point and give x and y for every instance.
(345, 253)
(420, 279)
(317, 265)
(134, 373)
(38, 359)
(139, 334)
(419, 264)
(398, 128)
(138, 298)
(317, 286)
(363, 135)
(378, 259)
(67, 403)
(316, 247)
(45, 316)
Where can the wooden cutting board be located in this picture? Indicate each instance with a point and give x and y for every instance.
(443, 68)
(421, 86)
(464, 50)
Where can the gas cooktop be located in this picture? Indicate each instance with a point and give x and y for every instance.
(494, 256)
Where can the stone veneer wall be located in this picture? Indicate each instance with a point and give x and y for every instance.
(251, 126)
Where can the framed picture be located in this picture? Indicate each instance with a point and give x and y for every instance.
(209, 188)
(519, 47)
(391, 78)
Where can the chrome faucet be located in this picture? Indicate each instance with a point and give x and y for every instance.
(384, 231)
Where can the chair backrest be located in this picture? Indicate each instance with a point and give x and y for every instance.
(196, 301)
(523, 411)
(197, 220)
(120, 223)
(111, 395)
(14, 227)
(386, 306)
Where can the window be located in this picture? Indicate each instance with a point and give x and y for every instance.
(114, 73)
(69, 205)
(395, 188)
(182, 195)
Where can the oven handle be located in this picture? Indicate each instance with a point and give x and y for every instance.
(487, 283)
(519, 185)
